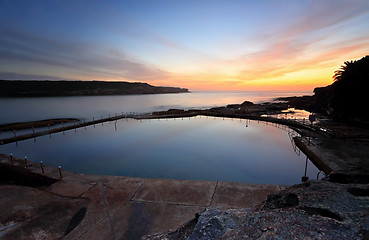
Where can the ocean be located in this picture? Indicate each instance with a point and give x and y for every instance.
(88, 107)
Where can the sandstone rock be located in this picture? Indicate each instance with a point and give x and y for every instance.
(282, 199)
(313, 210)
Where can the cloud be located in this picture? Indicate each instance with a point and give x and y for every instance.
(84, 59)
(279, 38)
(19, 76)
(310, 41)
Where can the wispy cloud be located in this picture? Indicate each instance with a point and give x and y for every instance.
(224, 44)
(310, 41)
(19, 76)
(86, 59)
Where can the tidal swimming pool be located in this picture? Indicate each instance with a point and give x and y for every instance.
(198, 148)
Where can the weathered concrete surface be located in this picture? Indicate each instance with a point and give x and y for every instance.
(148, 218)
(239, 195)
(183, 192)
(30, 213)
(337, 155)
(314, 210)
(115, 207)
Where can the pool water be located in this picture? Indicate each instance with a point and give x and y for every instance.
(197, 148)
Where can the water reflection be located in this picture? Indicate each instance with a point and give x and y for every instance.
(191, 148)
(295, 114)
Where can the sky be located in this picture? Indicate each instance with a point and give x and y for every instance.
(230, 45)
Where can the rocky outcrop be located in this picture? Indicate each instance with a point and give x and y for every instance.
(313, 210)
(242, 105)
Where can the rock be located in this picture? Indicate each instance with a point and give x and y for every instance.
(212, 225)
(282, 199)
(217, 109)
(246, 104)
(175, 111)
(182, 233)
(349, 178)
(233, 106)
(170, 112)
(313, 210)
(242, 105)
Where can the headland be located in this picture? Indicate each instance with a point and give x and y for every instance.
(13, 88)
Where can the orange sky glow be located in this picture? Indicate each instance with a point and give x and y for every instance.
(203, 46)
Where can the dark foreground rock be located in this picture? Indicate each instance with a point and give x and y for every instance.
(313, 210)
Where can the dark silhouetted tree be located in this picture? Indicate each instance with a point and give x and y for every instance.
(351, 90)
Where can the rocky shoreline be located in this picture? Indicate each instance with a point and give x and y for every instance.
(335, 208)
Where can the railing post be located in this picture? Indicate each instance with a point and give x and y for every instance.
(42, 168)
(60, 173)
(305, 178)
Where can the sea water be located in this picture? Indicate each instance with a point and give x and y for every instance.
(89, 107)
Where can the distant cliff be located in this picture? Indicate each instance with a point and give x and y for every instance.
(79, 88)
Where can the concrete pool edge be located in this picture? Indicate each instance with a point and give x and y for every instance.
(116, 204)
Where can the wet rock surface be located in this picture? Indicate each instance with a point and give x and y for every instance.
(313, 210)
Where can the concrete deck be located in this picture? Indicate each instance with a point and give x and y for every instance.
(336, 155)
(80, 206)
